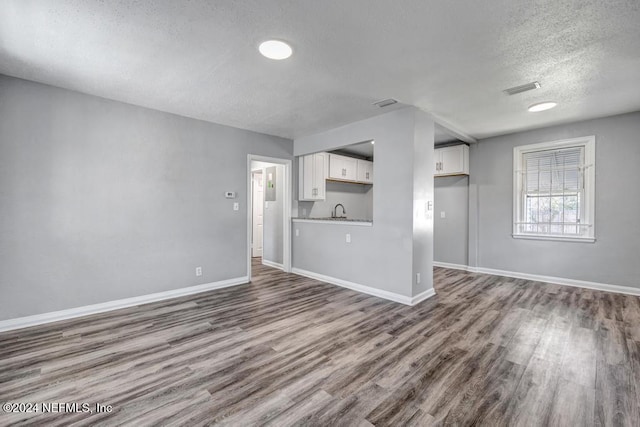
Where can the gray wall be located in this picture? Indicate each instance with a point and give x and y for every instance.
(613, 258)
(272, 243)
(451, 234)
(101, 200)
(357, 200)
(423, 170)
(380, 256)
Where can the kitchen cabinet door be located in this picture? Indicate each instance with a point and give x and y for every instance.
(365, 171)
(336, 167)
(452, 160)
(342, 168)
(312, 176)
(319, 178)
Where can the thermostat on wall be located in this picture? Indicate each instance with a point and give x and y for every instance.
(230, 194)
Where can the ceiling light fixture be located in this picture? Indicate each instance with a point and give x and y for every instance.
(275, 49)
(542, 106)
(373, 142)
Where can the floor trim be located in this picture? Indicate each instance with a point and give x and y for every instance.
(391, 296)
(55, 316)
(423, 296)
(272, 264)
(451, 266)
(605, 287)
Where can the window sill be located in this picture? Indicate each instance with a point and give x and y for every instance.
(555, 238)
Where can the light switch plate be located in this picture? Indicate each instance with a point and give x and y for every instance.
(348, 238)
(236, 206)
(443, 214)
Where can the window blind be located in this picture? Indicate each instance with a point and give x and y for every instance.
(552, 185)
(553, 171)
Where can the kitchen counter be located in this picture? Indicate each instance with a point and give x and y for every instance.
(336, 221)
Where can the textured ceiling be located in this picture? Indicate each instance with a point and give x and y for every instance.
(450, 58)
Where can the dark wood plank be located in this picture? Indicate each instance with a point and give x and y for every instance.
(288, 350)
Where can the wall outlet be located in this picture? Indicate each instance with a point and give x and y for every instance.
(417, 277)
(297, 232)
(443, 214)
(198, 271)
(347, 238)
(236, 206)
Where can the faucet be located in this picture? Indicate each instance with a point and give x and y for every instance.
(335, 211)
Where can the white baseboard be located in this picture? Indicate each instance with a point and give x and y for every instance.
(605, 287)
(423, 296)
(272, 264)
(391, 296)
(55, 316)
(451, 266)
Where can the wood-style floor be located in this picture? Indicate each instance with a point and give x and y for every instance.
(287, 350)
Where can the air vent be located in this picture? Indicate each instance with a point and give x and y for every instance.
(385, 102)
(522, 88)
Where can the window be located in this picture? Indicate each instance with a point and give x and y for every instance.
(554, 190)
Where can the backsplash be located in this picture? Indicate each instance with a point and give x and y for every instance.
(357, 200)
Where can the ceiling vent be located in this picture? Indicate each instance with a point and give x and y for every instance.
(522, 88)
(385, 102)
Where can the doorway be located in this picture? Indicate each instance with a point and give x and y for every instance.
(269, 214)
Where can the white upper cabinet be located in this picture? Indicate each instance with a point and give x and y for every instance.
(312, 177)
(342, 168)
(365, 171)
(452, 160)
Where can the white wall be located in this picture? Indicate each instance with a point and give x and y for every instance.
(101, 200)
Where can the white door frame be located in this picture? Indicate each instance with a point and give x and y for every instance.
(286, 226)
(253, 213)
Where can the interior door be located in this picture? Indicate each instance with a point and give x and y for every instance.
(258, 213)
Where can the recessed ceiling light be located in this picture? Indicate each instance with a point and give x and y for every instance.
(542, 106)
(275, 49)
(373, 142)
